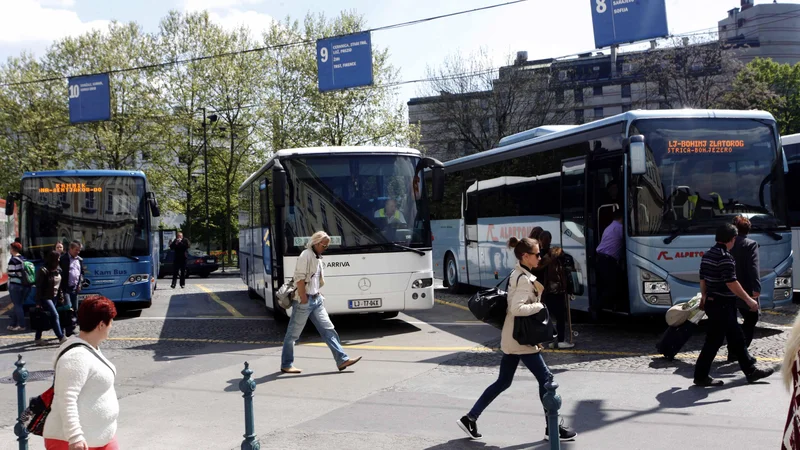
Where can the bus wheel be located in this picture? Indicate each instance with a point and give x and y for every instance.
(451, 274)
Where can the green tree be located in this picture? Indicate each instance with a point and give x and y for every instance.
(769, 86)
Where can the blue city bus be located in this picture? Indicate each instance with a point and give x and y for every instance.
(111, 213)
(676, 174)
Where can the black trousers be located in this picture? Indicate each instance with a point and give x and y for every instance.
(722, 324)
(179, 268)
(748, 328)
(557, 305)
(607, 271)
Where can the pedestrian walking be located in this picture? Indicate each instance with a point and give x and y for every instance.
(181, 248)
(745, 254)
(309, 303)
(72, 274)
(18, 289)
(524, 299)
(49, 294)
(719, 290)
(85, 408)
(555, 292)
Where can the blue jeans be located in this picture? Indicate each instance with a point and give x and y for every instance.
(18, 295)
(49, 306)
(508, 365)
(315, 310)
(71, 298)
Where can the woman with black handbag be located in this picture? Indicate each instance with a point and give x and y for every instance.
(48, 293)
(524, 299)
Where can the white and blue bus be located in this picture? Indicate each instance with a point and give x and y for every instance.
(110, 212)
(791, 146)
(372, 201)
(677, 175)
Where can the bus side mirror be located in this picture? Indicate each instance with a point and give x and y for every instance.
(279, 188)
(151, 200)
(638, 155)
(438, 184)
(10, 204)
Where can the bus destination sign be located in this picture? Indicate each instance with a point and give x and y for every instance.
(703, 146)
(70, 188)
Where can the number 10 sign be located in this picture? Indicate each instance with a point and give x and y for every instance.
(89, 98)
(344, 62)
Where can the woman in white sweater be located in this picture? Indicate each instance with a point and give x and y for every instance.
(85, 408)
(524, 299)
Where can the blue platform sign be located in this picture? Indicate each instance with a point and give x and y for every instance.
(344, 62)
(624, 21)
(89, 98)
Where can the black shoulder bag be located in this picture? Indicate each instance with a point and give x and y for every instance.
(534, 329)
(490, 305)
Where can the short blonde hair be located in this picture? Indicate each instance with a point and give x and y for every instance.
(317, 238)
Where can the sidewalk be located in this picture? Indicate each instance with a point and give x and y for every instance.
(392, 400)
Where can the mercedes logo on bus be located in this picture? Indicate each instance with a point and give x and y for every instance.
(364, 284)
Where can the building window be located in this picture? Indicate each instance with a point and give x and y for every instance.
(559, 96)
(110, 202)
(578, 116)
(626, 91)
(626, 108)
(578, 95)
(324, 212)
(597, 91)
(664, 105)
(598, 112)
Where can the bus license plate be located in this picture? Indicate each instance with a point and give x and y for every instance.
(82, 297)
(368, 303)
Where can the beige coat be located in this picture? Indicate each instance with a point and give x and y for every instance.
(524, 299)
(306, 267)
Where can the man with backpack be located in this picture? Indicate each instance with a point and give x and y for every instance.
(21, 276)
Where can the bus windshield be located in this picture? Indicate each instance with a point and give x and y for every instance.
(702, 172)
(106, 214)
(362, 202)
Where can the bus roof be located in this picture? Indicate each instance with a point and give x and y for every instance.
(790, 139)
(624, 118)
(328, 151)
(84, 173)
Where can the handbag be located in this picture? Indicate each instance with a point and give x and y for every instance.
(38, 409)
(285, 293)
(534, 329)
(40, 319)
(490, 305)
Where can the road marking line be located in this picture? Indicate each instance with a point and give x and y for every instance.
(776, 313)
(224, 304)
(454, 305)
(6, 309)
(124, 319)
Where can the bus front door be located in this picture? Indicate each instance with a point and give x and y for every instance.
(471, 233)
(573, 227)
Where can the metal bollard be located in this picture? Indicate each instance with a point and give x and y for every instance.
(20, 375)
(247, 386)
(552, 403)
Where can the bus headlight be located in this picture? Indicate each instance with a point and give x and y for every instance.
(422, 283)
(784, 280)
(656, 287)
(137, 278)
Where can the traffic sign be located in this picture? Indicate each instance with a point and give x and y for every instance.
(89, 98)
(344, 62)
(623, 21)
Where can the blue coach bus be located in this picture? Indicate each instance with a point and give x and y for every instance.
(110, 212)
(677, 175)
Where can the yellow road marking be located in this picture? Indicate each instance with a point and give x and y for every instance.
(454, 305)
(222, 303)
(776, 313)
(476, 348)
(238, 317)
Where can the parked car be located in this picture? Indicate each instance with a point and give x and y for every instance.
(201, 265)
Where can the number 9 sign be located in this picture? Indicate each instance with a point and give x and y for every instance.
(323, 54)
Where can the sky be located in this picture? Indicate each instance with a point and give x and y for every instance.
(543, 28)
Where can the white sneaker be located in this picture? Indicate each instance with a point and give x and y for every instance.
(565, 345)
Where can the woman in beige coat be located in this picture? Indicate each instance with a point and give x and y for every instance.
(524, 299)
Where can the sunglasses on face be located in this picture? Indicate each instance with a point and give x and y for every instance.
(538, 255)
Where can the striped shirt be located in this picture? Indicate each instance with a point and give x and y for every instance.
(15, 270)
(717, 269)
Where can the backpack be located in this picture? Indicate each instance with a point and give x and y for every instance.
(490, 305)
(285, 293)
(28, 273)
(39, 407)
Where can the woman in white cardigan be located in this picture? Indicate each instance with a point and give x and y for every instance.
(84, 412)
(524, 299)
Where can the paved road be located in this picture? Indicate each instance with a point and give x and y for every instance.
(179, 364)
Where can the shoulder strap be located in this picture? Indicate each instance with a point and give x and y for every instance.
(78, 344)
(504, 279)
(516, 282)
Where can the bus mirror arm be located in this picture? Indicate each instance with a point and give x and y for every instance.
(151, 200)
(438, 184)
(638, 158)
(278, 187)
(10, 203)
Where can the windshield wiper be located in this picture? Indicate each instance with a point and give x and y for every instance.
(677, 232)
(769, 233)
(384, 244)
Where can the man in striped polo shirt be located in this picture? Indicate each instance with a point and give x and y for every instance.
(719, 289)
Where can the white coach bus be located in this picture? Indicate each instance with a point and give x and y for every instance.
(374, 204)
(791, 147)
